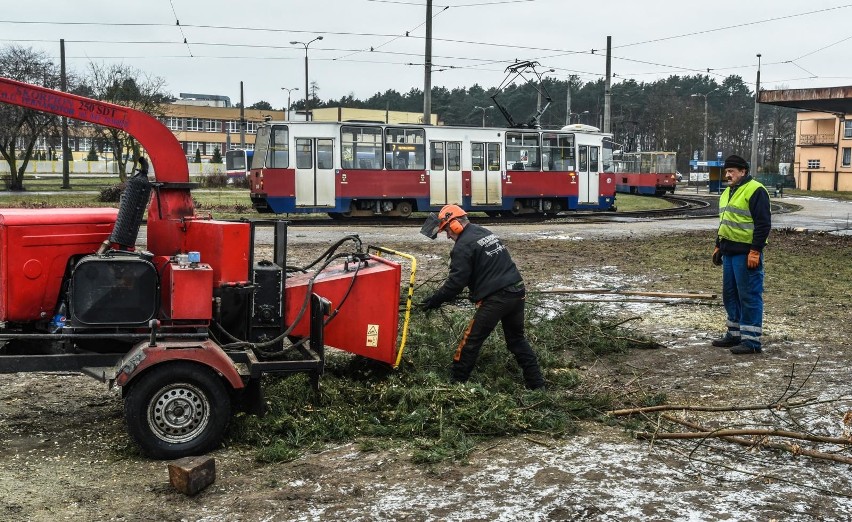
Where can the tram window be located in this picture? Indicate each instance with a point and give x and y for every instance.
(404, 148)
(493, 156)
(477, 157)
(304, 153)
(523, 151)
(360, 147)
(436, 152)
(558, 150)
(594, 154)
(271, 148)
(261, 148)
(454, 155)
(325, 153)
(584, 159)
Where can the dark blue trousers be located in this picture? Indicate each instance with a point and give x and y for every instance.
(742, 294)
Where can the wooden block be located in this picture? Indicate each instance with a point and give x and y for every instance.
(190, 475)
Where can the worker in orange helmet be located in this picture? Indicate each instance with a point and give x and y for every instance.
(480, 262)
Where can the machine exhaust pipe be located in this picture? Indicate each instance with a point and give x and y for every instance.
(134, 201)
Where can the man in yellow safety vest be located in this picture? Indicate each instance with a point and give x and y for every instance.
(744, 224)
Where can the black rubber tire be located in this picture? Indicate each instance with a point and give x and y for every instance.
(176, 410)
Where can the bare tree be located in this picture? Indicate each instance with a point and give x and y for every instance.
(124, 85)
(21, 128)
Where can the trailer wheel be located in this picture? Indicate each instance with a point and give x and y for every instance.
(177, 410)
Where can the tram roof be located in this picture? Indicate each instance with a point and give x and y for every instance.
(837, 100)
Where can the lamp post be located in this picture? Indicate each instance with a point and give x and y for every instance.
(705, 118)
(483, 109)
(289, 90)
(577, 114)
(306, 69)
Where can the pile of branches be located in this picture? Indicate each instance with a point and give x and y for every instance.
(416, 406)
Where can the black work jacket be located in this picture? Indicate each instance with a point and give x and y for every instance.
(480, 262)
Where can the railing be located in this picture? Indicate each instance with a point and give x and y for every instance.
(101, 167)
(817, 139)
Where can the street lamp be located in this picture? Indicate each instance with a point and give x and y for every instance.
(483, 109)
(577, 114)
(705, 118)
(306, 69)
(289, 90)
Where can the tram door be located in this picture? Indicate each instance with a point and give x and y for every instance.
(588, 170)
(314, 172)
(445, 174)
(486, 174)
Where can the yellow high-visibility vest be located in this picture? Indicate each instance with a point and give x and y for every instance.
(735, 221)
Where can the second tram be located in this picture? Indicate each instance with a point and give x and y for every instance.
(645, 173)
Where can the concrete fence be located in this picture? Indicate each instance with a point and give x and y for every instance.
(102, 167)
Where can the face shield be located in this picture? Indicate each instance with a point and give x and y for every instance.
(430, 226)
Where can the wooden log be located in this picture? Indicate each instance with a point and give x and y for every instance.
(190, 475)
(671, 295)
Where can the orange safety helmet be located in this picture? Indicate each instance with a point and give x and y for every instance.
(448, 217)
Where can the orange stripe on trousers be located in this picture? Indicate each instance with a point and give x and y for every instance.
(457, 355)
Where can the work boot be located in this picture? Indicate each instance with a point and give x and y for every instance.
(726, 341)
(742, 349)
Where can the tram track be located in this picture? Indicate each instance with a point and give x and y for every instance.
(684, 207)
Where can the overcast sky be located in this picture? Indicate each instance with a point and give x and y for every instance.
(803, 44)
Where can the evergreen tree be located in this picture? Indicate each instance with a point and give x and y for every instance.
(217, 156)
(197, 156)
(93, 156)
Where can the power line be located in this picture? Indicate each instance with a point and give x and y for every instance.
(735, 26)
(407, 33)
(395, 37)
(177, 22)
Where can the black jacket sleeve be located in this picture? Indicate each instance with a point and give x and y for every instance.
(461, 267)
(758, 205)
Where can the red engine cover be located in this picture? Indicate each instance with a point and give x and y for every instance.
(368, 321)
(35, 246)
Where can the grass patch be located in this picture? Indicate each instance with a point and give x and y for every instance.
(417, 408)
(829, 194)
(632, 203)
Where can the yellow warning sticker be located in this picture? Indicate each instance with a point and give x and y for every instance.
(372, 335)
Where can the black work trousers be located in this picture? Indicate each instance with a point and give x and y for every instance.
(506, 306)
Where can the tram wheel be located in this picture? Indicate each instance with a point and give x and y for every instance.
(404, 208)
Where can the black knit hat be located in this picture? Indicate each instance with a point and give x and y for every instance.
(735, 162)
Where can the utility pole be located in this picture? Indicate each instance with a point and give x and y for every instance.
(756, 124)
(63, 86)
(568, 103)
(607, 90)
(242, 119)
(427, 80)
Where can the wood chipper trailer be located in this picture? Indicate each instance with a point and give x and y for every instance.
(188, 326)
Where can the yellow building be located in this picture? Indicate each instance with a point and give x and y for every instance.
(205, 128)
(823, 156)
(823, 159)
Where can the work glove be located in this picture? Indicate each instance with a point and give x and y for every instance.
(430, 304)
(717, 257)
(753, 259)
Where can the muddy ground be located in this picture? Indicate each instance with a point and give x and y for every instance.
(64, 454)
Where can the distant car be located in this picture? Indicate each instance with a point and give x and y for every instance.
(679, 176)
